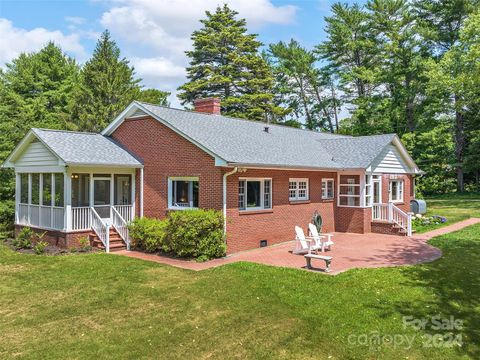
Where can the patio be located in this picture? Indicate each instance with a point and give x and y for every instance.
(350, 251)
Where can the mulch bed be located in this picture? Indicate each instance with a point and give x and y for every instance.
(53, 250)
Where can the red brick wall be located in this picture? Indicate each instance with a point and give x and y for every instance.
(350, 219)
(167, 154)
(407, 190)
(246, 229)
(58, 238)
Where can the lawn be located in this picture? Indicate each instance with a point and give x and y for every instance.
(454, 207)
(109, 306)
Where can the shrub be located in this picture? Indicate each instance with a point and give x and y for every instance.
(39, 247)
(196, 233)
(24, 238)
(84, 244)
(148, 234)
(7, 215)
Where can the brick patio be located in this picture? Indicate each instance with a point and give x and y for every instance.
(350, 251)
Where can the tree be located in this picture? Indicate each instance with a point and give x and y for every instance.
(107, 85)
(225, 63)
(402, 61)
(35, 91)
(350, 50)
(442, 22)
(302, 85)
(153, 96)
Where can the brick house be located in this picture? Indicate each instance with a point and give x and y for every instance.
(265, 178)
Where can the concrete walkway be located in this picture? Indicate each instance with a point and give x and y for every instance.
(350, 251)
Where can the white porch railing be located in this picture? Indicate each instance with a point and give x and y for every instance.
(393, 214)
(125, 211)
(81, 218)
(101, 229)
(121, 226)
(47, 217)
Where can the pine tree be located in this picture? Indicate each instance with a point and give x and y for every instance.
(107, 85)
(225, 63)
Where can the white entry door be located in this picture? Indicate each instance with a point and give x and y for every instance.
(377, 189)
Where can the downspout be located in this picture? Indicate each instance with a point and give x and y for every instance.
(235, 169)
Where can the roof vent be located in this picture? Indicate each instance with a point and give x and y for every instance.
(266, 129)
(208, 105)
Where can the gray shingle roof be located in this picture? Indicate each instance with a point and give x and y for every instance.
(86, 148)
(245, 142)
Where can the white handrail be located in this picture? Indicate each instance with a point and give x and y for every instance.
(125, 211)
(121, 226)
(101, 229)
(393, 214)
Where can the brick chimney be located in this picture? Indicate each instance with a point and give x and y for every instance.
(208, 105)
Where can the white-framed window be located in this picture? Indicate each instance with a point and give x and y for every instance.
(327, 189)
(298, 189)
(182, 193)
(396, 191)
(254, 194)
(349, 190)
(368, 190)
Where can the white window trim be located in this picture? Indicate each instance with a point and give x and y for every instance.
(377, 178)
(171, 179)
(390, 190)
(262, 194)
(362, 189)
(326, 181)
(297, 189)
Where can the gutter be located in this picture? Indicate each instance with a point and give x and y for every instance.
(235, 170)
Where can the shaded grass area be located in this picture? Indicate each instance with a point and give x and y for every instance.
(455, 207)
(108, 306)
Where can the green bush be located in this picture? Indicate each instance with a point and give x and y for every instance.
(7, 215)
(196, 233)
(84, 244)
(24, 238)
(39, 247)
(148, 234)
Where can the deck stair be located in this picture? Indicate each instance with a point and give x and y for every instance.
(116, 242)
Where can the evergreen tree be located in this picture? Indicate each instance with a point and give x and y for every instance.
(225, 63)
(107, 85)
(153, 96)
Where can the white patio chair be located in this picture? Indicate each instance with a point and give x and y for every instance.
(304, 244)
(319, 238)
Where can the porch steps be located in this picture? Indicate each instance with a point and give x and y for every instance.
(116, 242)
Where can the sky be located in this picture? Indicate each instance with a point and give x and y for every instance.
(152, 34)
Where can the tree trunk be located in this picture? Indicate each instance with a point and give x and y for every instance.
(477, 180)
(334, 100)
(459, 143)
(325, 112)
(409, 106)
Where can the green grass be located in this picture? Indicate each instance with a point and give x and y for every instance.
(107, 306)
(455, 207)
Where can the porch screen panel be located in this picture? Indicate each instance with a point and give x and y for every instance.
(59, 190)
(47, 190)
(123, 190)
(35, 189)
(80, 190)
(24, 188)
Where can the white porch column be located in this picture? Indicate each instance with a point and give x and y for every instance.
(112, 193)
(362, 190)
(141, 192)
(17, 196)
(133, 180)
(90, 195)
(67, 200)
(29, 197)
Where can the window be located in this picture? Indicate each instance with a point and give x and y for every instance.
(58, 178)
(368, 190)
(396, 190)
(24, 188)
(182, 192)
(123, 190)
(80, 190)
(254, 194)
(349, 190)
(327, 189)
(35, 189)
(47, 189)
(298, 189)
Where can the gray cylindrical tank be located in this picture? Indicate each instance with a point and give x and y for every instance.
(418, 206)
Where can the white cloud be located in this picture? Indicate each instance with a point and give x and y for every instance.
(17, 40)
(162, 29)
